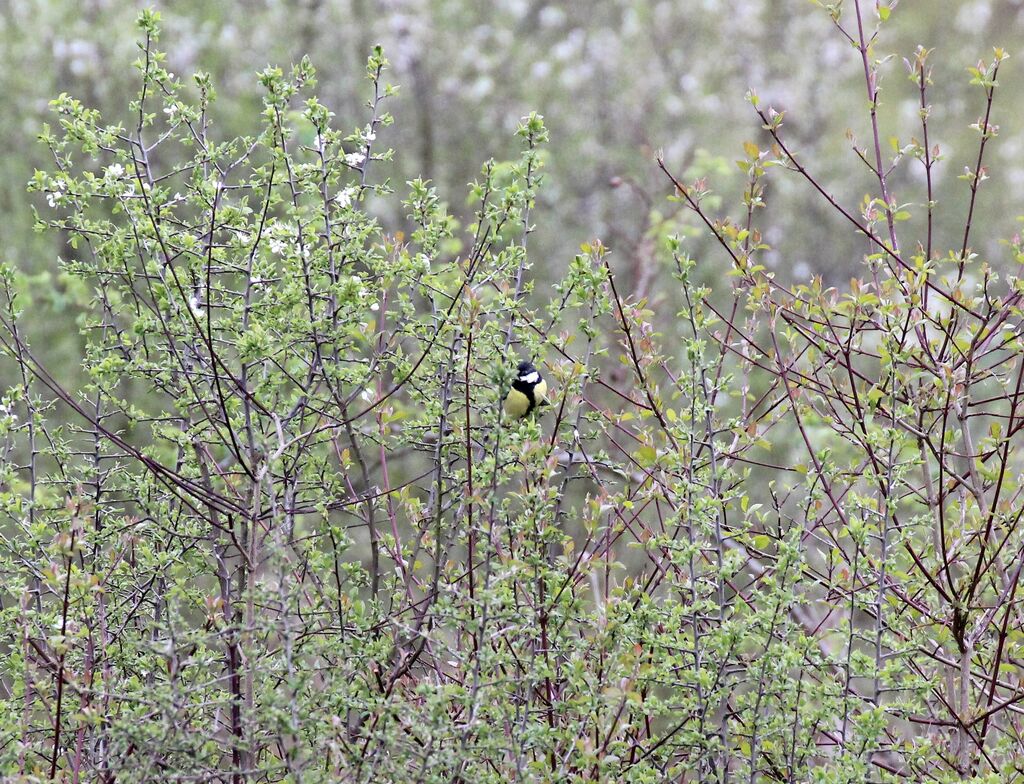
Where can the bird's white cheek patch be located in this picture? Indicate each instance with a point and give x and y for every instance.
(530, 378)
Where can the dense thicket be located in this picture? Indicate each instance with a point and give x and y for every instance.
(282, 531)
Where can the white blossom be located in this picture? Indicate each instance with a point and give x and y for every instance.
(355, 158)
(280, 237)
(345, 196)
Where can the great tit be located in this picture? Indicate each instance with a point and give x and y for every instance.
(527, 391)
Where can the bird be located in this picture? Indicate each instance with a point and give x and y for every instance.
(527, 391)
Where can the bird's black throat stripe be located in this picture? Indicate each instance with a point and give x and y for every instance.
(527, 389)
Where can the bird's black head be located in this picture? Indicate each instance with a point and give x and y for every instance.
(525, 368)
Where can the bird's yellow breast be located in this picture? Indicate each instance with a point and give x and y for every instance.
(516, 403)
(540, 391)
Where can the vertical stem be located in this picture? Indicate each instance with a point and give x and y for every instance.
(471, 533)
(871, 82)
(60, 661)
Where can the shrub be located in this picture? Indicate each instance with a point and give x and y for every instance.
(285, 534)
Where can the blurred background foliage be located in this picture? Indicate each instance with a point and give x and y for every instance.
(616, 80)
